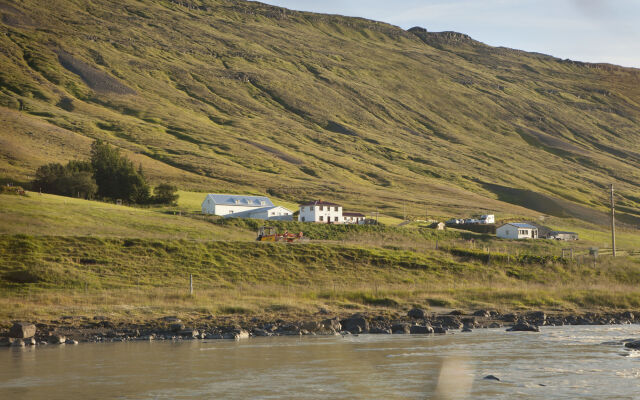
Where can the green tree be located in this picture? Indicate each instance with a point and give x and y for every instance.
(116, 176)
(165, 194)
(73, 179)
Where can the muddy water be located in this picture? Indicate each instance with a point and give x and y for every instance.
(560, 362)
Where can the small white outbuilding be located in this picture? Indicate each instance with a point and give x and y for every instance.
(277, 213)
(517, 230)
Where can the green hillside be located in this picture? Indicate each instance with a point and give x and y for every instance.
(225, 95)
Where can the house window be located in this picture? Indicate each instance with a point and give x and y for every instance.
(321, 218)
(336, 219)
(303, 219)
(336, 208)
(321, 208)
(310, 208)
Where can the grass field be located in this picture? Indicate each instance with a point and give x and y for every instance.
(129, 279)
(64, 256)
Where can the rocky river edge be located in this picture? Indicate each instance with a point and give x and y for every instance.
(96, 329)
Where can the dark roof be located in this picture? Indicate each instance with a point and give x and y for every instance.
(352, 214)
(319, 203)
(562, 232)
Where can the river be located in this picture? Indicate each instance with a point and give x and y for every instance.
(560, 362)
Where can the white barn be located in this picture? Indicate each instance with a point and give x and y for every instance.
(516, 230)
(321, 212)
(225, 204)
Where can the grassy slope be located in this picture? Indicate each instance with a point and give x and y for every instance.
(136, 263)
(140, 278)
(44, 214)
(238, 96)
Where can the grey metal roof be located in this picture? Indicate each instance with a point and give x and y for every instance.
(522, 225)
(240, 200)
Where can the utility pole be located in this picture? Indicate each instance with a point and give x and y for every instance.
(613, 223)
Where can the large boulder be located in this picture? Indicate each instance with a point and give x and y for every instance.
(420, 329)
(355, 324)
(633, 345)
(401, 328)
(311, 326)
(56, 339)
(523, 327)
(416, 313)
(332, 324)
(450, 322)
(482, 313)
(22, 330)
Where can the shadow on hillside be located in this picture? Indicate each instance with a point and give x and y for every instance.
(554, 206)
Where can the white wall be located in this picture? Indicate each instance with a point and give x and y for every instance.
(507, 232)
(513, 232)
(321, 214)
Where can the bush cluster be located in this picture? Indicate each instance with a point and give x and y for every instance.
(107, 175)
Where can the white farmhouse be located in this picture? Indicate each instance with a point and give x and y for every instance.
(225, 204)
(516, 230)
(321, 212)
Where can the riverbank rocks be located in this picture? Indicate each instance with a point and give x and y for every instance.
(355, 324)
(22, 330)
(332, 324)
(416, 313)
(56, 339)
(420, 329)
(635, 345)
(523, 327)
(261, 333)
(439, 329)
(189, 333)
(401, 329)
(482, 313)
(450, 322)
(380, 331)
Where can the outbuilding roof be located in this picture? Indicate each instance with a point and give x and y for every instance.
(352, 214)
(240, 200)
(522, 225)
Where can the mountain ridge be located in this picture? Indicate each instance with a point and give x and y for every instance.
(242, 96)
